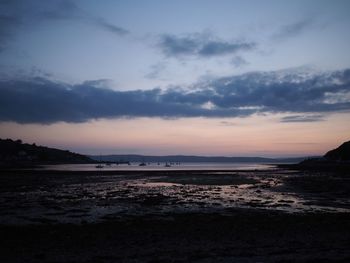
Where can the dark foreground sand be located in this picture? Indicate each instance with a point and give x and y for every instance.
(229, 234)
(244, 236)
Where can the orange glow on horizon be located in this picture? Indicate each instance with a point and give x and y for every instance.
(251, 136)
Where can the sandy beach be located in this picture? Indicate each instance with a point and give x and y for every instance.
(275, 215)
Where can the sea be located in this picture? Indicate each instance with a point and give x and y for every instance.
(161, 166)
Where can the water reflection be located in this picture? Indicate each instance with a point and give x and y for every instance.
(160, 167)
(93, 197)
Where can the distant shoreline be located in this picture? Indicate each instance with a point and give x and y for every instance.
(117, 172)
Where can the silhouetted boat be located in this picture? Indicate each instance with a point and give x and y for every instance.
(167, 165)
(99, 165)
(142, 164)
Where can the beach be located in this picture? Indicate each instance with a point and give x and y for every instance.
(276, 215)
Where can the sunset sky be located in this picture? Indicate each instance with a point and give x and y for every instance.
(199, 77)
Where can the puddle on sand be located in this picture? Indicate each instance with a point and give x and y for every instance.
(259, 195)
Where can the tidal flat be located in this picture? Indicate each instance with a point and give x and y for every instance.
(276, 215)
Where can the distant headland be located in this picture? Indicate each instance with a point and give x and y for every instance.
(337, 159)
(15, 153)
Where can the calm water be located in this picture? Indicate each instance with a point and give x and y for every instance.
(161, 166)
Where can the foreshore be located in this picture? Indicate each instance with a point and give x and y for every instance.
(242, 236)
(177, 216)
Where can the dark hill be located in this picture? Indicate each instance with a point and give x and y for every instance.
(334, 160)
(16, 153)
(342, 153)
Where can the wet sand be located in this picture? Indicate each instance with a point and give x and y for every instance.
(193, 216)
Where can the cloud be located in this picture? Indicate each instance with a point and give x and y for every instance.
(16, 14)
(294, 29)
(303, 118)
(238, 62)
(305, 95)
(156, 70)
(68, 10)
(8, 23)
(200, 45)
(227, 123)
(102, 23)
(58, 10)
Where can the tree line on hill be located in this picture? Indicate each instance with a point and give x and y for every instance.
(17, 153)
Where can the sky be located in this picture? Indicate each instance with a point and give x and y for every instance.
(200, 77)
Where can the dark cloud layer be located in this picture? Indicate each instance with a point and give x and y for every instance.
(15, 14)
(303, 118)
(200, 45)
(40, 100)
